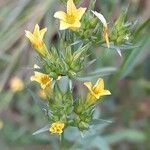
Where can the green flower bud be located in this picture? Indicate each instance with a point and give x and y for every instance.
(93, 22)
(120, 39)
(76, 66)
(87, 33)
(83, 125)
(71, 73)
(53, 75)
(54, 118)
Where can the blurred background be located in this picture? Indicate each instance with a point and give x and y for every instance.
(128, 107)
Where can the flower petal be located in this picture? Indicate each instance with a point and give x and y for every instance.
(42, 33)
(99, 86)
(106, 92)
(64, 25)
(71, 8)
(30, 36)
(77, 24)
(36, 31)
(35, 78)
(60, 15)
(80, 12)
(88, 85)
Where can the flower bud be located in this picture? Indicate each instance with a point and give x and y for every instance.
(83, 126)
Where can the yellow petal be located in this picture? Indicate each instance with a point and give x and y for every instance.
(36, 31)
(64, 25)
(77, 24)
(60, 15)
(97, 96)
(106, 92)
(99, 86)
(30, 36)
(42, 33)
(88, 85)
(71, 8)
(35, 78)
(37, 74)
(103, 93)
(80, 12)
(44, 86)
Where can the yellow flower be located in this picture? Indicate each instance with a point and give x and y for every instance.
(43, 79)
(36, 38)
(105, 30)
(72, 18)
(42, 94)
(57, 128)
(16, 84)
(97, 90)
(1, 124)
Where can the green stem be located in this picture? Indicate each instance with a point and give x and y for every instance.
(62, 142)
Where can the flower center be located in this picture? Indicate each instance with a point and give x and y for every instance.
(45, 79)
(70, 18)
(97, 90)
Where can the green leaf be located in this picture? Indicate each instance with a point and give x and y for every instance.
(68, 55)
(71, 134)
(142, 27)
(80, 51)
(124, 46)
(132, 58)
(44, 129)
(97, 73)
(99, 143)
(129, 135)
(38, 101)
(121, 20)
(58, 93)
(100, 121)
(63, 83)
(91, 63)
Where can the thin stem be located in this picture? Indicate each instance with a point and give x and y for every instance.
(62, 141)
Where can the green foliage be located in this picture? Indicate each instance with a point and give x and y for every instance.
(21, 116)
(67, 63)
(91, 29)
(134, 55)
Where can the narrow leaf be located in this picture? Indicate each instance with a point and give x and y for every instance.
(44, 129)
(38, 101)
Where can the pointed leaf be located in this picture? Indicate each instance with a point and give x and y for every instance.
(44, 129)
(100, 121)
(38, 101)
(97, 73)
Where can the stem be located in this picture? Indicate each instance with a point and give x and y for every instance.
(62, 142)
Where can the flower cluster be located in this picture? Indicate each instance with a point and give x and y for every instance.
(57, 127)
(67, 61)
